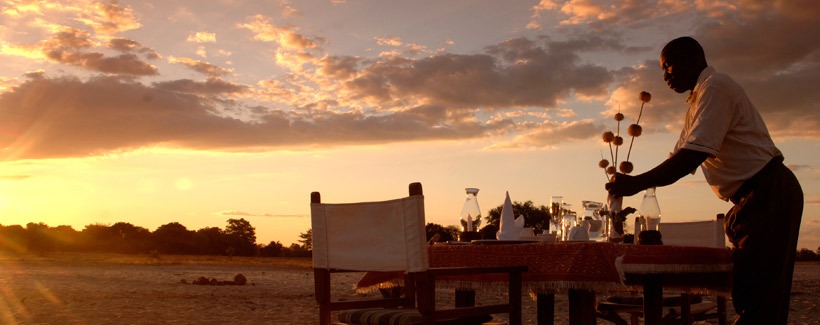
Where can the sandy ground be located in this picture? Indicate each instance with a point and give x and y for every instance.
(126, 289)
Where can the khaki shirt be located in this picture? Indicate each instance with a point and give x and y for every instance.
(722, 122)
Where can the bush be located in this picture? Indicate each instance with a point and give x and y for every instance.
(805, 254)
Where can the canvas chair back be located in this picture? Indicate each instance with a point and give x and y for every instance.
(370, 236)
(707, 233)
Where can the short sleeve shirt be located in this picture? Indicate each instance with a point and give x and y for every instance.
(722, 122)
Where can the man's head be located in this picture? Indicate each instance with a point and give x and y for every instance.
(682, 61)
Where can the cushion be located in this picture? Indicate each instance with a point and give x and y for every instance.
(379, 316)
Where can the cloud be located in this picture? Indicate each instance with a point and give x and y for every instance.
(515, 73)
(339, 67)
(605, 12)
(544, 5)
(8, 178)
(389, 41)
(104, 18)
(780, 80)
(68, 117)
(512, 89)
(199, 66)
(25, 51)
(289, 11)
(109, 18)
(53, 30)
(210, 86)
(130, 46)
(70, 46)
(796, 167)
(286, 36)
(202, 37)
(553, 134)
(335, 100)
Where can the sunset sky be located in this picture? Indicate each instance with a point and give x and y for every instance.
(151, 112)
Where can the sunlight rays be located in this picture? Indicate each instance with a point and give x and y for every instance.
(15, 305)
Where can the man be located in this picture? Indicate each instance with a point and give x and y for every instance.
(724, 134)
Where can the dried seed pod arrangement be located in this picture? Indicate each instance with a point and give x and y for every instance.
(615, 139)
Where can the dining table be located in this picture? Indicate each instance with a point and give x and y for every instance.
(582, 269)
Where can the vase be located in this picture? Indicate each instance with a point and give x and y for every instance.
(616, 230)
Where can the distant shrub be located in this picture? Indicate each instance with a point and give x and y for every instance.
(805, 254)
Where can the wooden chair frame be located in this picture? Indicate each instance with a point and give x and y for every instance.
(419, 290)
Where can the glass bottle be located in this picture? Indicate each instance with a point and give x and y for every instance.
(650, 210)
(568, 221)
(471, 213)
(556, 205)
(556, 222)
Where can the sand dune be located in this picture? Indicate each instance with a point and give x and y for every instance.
(124, 289)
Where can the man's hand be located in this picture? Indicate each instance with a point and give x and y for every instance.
(624, 185)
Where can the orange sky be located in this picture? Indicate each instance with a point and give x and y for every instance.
(151, 112)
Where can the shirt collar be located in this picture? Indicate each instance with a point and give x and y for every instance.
(706, 73)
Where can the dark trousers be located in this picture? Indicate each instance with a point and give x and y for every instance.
(763, 226)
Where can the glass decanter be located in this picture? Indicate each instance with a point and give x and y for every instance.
(650, 210)
(470, 213)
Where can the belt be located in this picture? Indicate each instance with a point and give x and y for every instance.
(749, 184)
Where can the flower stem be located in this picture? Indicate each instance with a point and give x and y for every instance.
(611, 155)
(638, 122)
(639, 114)
(630, 148)
(615, 160)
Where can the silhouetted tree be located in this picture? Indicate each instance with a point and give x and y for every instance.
(805, 254)
(272, 249)
(296, 250)
(37, 239)
(210, 241)
(65, 238)
(241, 236)
(535, 217)
(173, 238)
(306, 239)
(13, 238)
(446, 233)
(127, 238)
(489, 231)
(97, 237)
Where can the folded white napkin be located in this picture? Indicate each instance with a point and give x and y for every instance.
(510, 227)
(580, 232)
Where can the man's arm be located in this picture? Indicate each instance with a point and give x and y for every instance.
(671, 170)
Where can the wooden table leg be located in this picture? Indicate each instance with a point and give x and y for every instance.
(652, 298)
(465, 298)
(545, 308)
(721, 310)
(581, 307)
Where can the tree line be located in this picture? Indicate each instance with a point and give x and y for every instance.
(237, 238)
